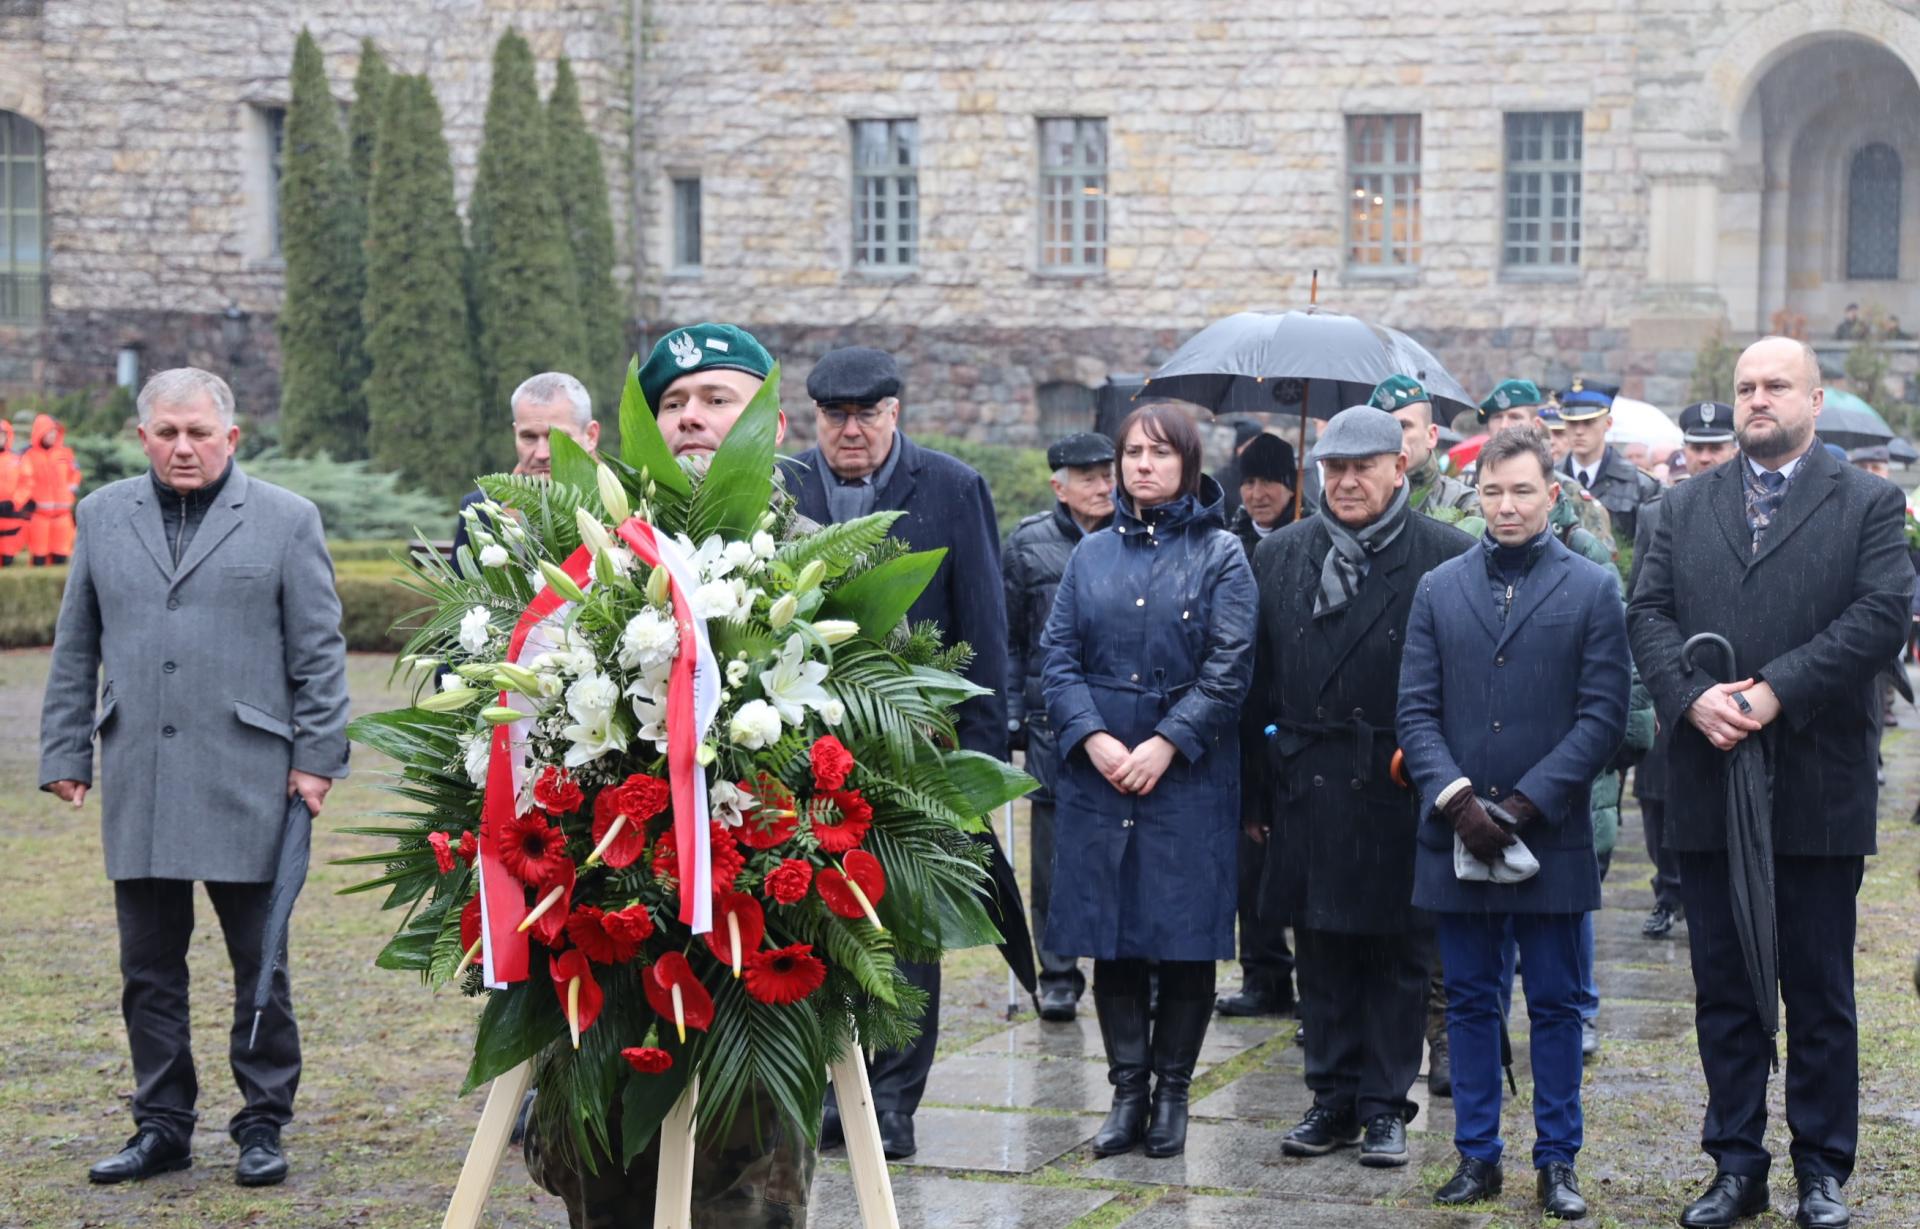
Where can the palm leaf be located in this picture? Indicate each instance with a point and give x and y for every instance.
(879, 598)
(641, 445)
(732, 499)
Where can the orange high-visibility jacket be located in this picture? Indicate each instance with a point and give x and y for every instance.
(51, 473)
(14, 495)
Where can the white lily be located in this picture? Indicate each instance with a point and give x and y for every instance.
(493, 555)
(650, 709)
(591, 702)
(728, 803)
(793, 685)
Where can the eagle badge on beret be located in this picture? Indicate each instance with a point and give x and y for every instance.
(686, 351)
(1503, 401)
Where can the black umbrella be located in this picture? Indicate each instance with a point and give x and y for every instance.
(289, 876)
(1902, 450)
(1009, 913)
(1852, 423)
(1750, 854)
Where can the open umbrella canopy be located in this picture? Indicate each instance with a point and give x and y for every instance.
(1312, 359)
(1848, 421)
(1639, 422)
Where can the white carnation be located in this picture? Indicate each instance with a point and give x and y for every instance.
(475, 751)
(718, 599)
(474, 630)
(649, 641)
(756, 726)
(493, 555)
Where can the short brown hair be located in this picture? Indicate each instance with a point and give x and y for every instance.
(1166, 423)
(1518, 442)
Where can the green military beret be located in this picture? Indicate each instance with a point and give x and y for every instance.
(1397, 393)
(701, 347)
(1510, 395)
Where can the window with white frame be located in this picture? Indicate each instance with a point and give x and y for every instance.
(1073, 194)
(1383, 184)
(886, 193)
(1543, 190)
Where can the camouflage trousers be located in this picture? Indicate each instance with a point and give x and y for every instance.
(757, 1178)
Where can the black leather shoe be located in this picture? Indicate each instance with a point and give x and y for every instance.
(1473, 1182)
(1255, 999)
(896, 1135)
(1057, 1004)
(831, 1136)
(1728, 1198)
(261, 1161)
(1821, 1206)
(146, 1154)
(1659, 923)
(1386, 1143)
(1321, 1131)
(1559, 1191)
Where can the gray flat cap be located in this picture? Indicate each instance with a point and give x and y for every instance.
(1358, 431)
(857, 375)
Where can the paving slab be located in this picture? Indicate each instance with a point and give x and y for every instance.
(1242, 1157)
(1674, 985)
(1183, 1211)
(953, 1203)
(982, 1139)
(1283, 1099)
(1019, 1082)
(1080, 1038)
(1635, 948)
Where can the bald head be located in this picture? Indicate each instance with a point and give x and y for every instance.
(1776, 398)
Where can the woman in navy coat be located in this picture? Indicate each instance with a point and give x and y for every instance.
(1148, 658)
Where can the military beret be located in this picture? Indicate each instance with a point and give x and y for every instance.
(1707, 422)
(1084, 448)
(1582, 401)
(1358, 431)
(1872, 452)
(1510, 395)
(855, 375)
(1397, 393)
(701, 347)
(1268, 457)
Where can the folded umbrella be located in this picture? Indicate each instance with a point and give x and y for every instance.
(289, 876)
(1009, 913)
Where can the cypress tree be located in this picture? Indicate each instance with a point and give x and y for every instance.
(525, 296)
(424, 395)
(363, 123)
(581, 185)
(322, 223)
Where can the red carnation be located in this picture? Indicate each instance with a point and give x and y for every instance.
(773, 819)
(696, 1005)
(470, 923)
(785, 975)
(533, 850)
(747, 915)
(647, 1060)
(565, 968)
(787, 883)
(442, 850)
(555, 791)
(836, 887)
(639, 798)
(549, 926)
(469, 846)
(849, 829)
(587, 927)
(831, 763)
(632, 924)
(724, 858)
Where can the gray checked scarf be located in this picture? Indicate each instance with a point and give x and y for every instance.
(1346, 565)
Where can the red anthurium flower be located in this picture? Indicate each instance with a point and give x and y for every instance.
(696, 1005)
(470, 923)
(632, 924)
(581, 1007)
(862, 868)
(551, 925)
(747, 918)
(788, 882)
(773, 820)
(442, 850)
(844, 830)
(469, 846)
(647, 1060)
(785, 975)
(533, 850)
(831, 763)
(588, 927)
(639, 798)
(555, 792)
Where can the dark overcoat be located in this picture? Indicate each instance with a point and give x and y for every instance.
(947, 506)
(1035, 558)
(1536, 703)
(1151, 633)
(1621, 488)
(1340, 849)
(1816, 613)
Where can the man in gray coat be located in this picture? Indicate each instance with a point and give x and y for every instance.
(208, 598)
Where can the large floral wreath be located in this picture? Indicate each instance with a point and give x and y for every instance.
(686, 787)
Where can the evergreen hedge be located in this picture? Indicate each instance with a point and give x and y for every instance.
(363, 122)
(1017, 477)
(580, 183)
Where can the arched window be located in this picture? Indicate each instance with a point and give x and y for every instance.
(23, 231)
(1065, 407)
(1873, 214)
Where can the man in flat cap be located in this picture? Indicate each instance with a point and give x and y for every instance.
(1335, 591)
(863, 464)
(1034, 559)
(1616, 482)
(1436, 494)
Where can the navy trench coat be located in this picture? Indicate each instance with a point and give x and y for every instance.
(1151, 633)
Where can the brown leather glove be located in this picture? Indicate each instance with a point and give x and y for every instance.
(1483, 838)
(1522, 809)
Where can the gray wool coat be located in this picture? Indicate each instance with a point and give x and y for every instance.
(214, 679)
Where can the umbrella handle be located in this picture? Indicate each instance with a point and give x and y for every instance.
(1712, 638)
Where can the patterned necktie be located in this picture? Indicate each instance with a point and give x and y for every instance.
(1766, 491)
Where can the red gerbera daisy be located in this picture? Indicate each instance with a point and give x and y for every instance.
(845, 826)
(785, 975)
(862, 868)
(531, 849)
(647, 1060)
(565, 969)
(639, 798)
(747, 917)
(555, 791)
(788, 882)
(831, 763)
(773, 820)
(696, 1005)
(632, 924)
(442, 850)
(587, 927)
(552, 924)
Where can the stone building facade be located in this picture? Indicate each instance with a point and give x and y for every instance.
(1074, 187)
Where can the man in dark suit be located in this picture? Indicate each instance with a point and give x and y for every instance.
(1799, 561)
(1513, 697)
(1336, 829)
(864, 464)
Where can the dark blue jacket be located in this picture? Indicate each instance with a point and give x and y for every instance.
(1534, 703)
(1151, 633)
(948, 506)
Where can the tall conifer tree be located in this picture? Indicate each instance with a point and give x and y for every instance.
(581, 186)
(424, 395)
(322, 223)
(363, 123)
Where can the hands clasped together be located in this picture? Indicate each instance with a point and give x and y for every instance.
(1131, 772)
(1728, 712)
(1483, 835)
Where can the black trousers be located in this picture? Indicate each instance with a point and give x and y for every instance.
(1814, 899)
(156, 926)
(1055, 969)
(899, 1077)
(1666, 863)
(1366, 1017)
(1265, 958)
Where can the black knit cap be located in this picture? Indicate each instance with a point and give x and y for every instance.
(1269, 457)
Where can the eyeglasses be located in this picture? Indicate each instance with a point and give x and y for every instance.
(867, 416)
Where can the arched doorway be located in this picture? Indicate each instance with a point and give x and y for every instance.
(23, 220)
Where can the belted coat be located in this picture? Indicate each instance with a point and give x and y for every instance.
(1034, 559)
(1151, 633)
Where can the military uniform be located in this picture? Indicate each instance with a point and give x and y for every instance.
(1617, 483)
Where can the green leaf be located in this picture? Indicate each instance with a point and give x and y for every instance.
(984, 783)
(412, 947)
(641, 444)
(739, 482)
(514, 1026)
(878, 599)
(838, 546)
(571, 464)
(964, 923)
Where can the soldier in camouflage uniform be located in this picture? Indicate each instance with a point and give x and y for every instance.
(1577, 518)
(1438, 495)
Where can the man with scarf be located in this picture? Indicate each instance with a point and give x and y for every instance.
(1335, 591)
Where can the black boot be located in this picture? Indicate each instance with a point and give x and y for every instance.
(1125, 1030)
(1179, 1026)
(1440, 1064)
